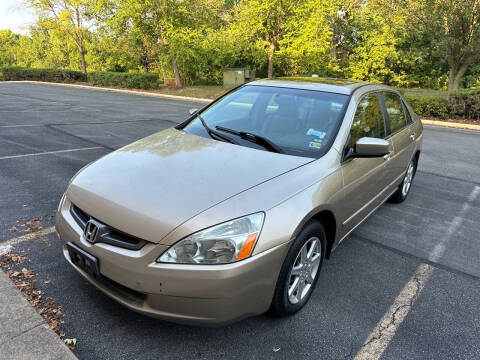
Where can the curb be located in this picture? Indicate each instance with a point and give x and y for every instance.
(451, 124)
(125, 91)
(23, 332)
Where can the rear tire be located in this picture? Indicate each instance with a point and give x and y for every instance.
(405, 186)
(300, 270)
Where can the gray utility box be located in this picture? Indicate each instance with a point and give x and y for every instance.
(238, 76)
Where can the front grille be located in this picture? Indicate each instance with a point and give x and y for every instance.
(80, 216)
(110, 236)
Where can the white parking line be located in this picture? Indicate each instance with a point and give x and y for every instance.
(15, 126)
(29, 236)
(50, 152)
(439, 248)
(382, 335)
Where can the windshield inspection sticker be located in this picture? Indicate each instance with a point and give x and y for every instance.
(316, 133)
(315, 144)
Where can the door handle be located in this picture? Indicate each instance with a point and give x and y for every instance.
(412, 137)
(386, 157)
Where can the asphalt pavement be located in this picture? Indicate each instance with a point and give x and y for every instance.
(49, 132)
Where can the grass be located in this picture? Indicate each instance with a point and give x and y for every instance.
(212, 91)
(200, 91)
(424, 93)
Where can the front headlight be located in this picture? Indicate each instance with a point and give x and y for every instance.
(221, 244)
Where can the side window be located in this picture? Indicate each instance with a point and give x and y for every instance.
(368, 120)
(408, 116)
(394, 108)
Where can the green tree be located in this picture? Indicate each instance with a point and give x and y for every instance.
(373, 53)
(66, 16)
(455, 27)
(264, 23)
(8, 44)
(175, 27)
(306, 44)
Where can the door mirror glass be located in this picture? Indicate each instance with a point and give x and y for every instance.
(371, 147)
(193, 111)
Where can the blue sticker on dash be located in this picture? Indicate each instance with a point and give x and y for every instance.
(316, 133)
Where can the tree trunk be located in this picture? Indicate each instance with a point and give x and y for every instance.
(334, 50)
(84, 64)
(455, 75)
(79, 38)
(178, 79)
(271, 52)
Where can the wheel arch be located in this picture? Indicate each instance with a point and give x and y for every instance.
(327, 218)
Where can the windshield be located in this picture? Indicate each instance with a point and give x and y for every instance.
(299, 122)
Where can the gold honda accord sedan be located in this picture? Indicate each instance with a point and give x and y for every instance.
(231, 213)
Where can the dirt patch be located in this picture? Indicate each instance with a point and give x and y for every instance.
(200, 91)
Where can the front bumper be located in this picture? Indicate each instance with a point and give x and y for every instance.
(193, 294)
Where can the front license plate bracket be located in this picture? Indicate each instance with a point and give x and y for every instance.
(83, 260)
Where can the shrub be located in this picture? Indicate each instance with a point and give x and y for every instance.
(466, 103)
(50, 75)
(126, 80)
(431, 106)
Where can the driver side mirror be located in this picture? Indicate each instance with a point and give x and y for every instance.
(193, 111)
(371, 147)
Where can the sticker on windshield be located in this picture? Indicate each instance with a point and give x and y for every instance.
(315, 144)
(316, 133)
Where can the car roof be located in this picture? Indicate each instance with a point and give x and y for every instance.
(339, 86)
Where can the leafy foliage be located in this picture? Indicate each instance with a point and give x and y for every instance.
(408, 43)
(466, 104)
(126, 80)
(51, 75)
(430, 106)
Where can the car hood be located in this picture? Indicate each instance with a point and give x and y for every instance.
(150, 187)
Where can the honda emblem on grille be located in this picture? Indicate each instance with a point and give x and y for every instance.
(91, 231)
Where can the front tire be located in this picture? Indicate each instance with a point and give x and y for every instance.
(300, 270)
(404, 188)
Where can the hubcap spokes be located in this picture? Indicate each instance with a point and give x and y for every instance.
(304, 270)
(407, 182)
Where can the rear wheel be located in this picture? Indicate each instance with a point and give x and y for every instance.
(300, 270)
(404, 188)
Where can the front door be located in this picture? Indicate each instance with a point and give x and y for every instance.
(364, 178)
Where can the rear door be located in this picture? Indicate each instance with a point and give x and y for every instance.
(364, 178)
(400, 132)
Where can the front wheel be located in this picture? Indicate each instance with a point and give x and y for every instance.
(404, 188)
(300, 270)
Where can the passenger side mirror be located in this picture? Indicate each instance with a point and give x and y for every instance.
(371, 147)
(193, 111)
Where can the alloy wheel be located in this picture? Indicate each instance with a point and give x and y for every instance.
(407, 181)
(304, 270)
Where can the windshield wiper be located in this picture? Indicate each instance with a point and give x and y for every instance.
(257, 139)
(213, 133)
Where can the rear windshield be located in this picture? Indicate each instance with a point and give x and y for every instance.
(300, 122)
